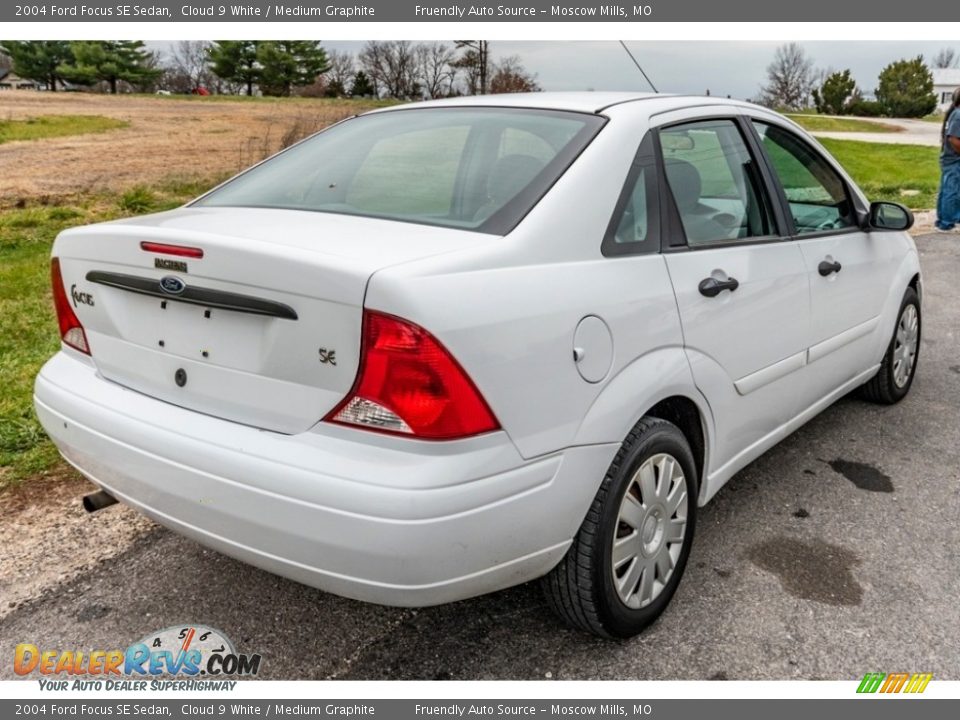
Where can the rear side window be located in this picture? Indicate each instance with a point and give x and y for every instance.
(477, 169)
(634, 228)
(816, 193)
(715, 183)
(634, 225)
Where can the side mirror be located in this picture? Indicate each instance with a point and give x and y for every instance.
(890, 216)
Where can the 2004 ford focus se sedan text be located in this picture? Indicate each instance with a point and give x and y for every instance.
(441, 349)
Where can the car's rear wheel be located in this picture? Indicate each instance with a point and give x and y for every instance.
(899, 365)
(627, 559)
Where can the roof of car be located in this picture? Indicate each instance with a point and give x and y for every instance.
(591, 102)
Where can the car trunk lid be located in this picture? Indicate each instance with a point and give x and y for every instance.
(264, 329)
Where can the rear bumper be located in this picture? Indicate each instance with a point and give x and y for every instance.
(370, 517)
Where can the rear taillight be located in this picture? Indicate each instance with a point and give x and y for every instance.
(409, 384)
(71, 331)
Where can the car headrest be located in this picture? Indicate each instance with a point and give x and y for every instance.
(510, 175)
(685, 182)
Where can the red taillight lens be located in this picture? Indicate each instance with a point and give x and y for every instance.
(409, 384)
(71, 331)
(178, 250)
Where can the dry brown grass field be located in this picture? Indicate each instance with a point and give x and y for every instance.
(187, 138)
(75, 158)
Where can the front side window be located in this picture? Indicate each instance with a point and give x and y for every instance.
(816, 193)
(715, 183)
(477, 169)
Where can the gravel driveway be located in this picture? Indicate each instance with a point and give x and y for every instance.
(913, 132)
(833, 554)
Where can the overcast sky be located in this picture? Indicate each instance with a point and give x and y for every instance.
(725, 68)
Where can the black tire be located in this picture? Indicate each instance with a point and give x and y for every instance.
(581, 588)
(882, 388)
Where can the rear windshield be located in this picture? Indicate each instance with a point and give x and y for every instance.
(471, 168)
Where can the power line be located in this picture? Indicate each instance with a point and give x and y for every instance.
(638, 67)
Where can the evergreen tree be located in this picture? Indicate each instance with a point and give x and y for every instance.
(288, 63)
(833, 97)
(335, 89)
(110, 61)
(236, 61)
(906, 89)
(361, 87)
(38, 60)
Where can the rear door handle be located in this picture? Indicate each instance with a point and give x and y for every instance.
(711, 287)
(828, 268)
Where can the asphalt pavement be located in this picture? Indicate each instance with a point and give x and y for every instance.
(834, 554)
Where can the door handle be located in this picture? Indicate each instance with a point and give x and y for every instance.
(828, 268)
(711, 287)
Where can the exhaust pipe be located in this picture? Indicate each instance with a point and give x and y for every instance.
(98, 501)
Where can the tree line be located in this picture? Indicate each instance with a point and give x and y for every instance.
(385, 69)
(904, 87)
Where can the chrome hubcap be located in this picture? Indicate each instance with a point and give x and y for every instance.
(650, 530)
(905, 345)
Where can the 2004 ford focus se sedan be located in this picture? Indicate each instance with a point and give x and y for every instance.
(445, 348)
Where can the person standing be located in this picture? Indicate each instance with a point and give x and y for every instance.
(948, 201)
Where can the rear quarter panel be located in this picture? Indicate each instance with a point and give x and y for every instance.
(508, 310)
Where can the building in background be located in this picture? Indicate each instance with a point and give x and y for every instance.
(9, 80)
(945, 81)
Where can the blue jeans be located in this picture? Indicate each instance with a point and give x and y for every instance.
(948, 201)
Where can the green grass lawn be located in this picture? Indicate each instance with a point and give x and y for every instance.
(908, 174)
(28, 325)
(822, 123)
(48, 126)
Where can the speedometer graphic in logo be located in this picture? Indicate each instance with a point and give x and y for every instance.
(186, 638)
(189, 650)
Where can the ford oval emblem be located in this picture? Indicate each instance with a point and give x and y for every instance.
(172, 285)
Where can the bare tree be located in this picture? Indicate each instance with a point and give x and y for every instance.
(790, 79)
(476, 63)
(392, 66)
(434, 68)
(510, 76)
(340, 73)
(469, 71)
(189, 65)
(945, 58)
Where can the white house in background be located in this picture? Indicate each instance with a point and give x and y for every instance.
(945, 81)
(9, 80)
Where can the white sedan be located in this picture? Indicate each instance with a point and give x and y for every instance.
(445, 348)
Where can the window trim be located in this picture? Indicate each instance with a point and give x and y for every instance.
(674, 224)
(644, 157)
(781, 193)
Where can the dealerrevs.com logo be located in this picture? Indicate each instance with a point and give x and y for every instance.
(191, 657)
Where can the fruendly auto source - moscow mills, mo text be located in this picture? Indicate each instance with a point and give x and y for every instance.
(470, 11)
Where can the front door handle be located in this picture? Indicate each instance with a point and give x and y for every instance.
(828, 268)
(711, 287)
